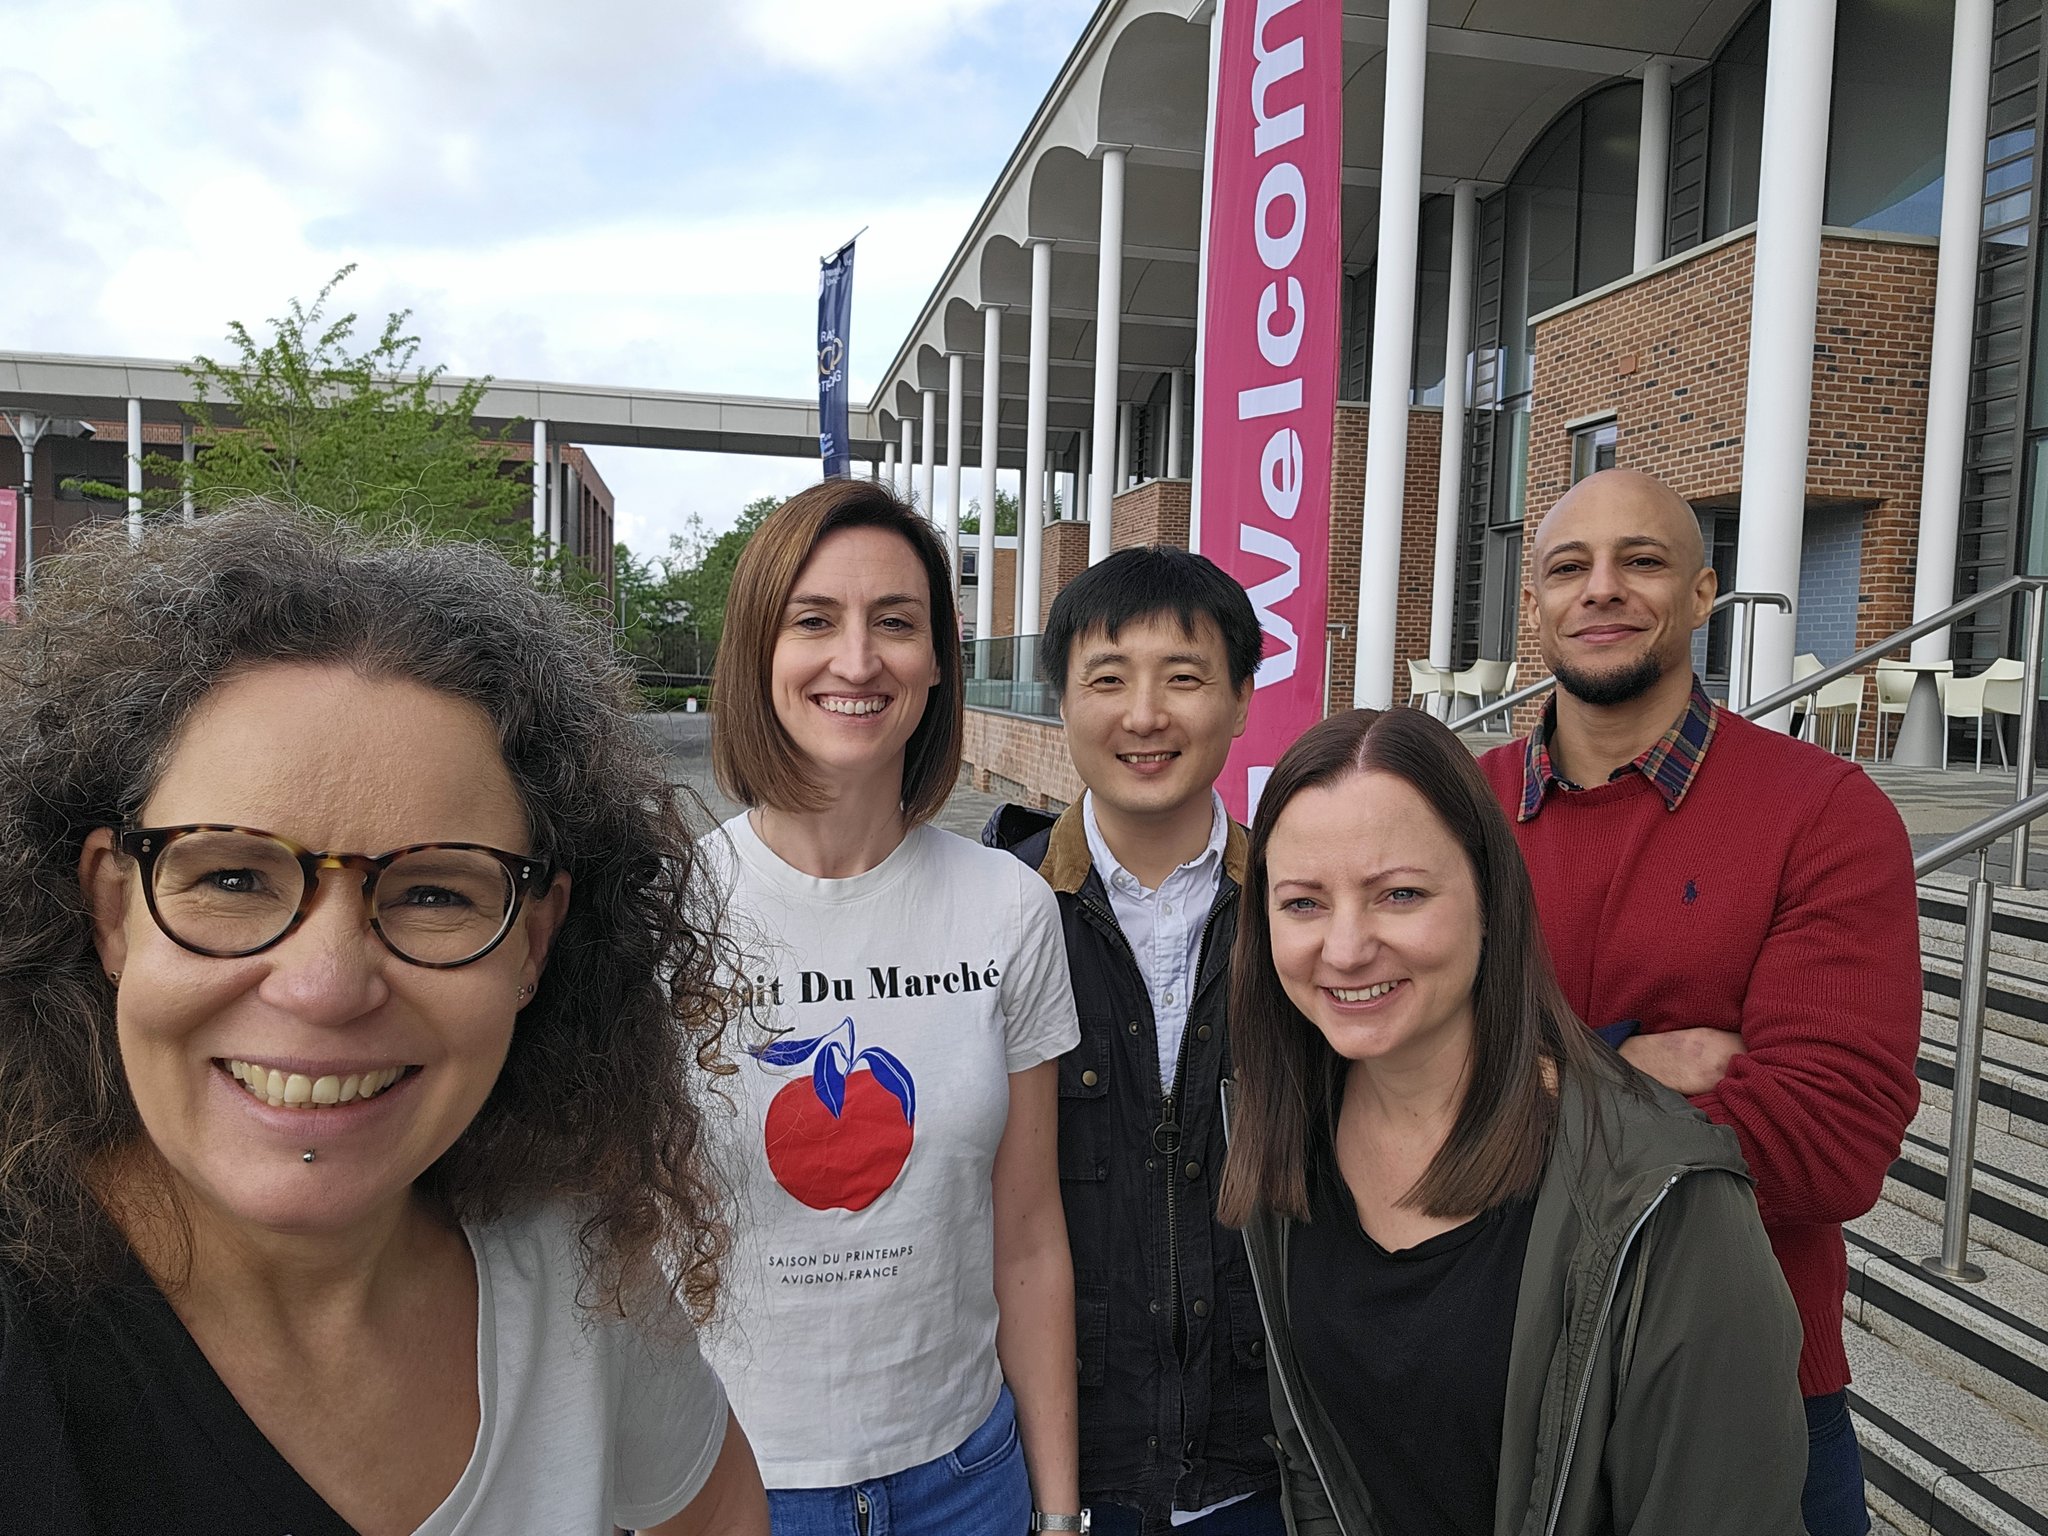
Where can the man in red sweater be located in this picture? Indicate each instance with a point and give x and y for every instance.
(1733, 908)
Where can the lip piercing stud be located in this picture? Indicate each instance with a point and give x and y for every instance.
(307, 1156)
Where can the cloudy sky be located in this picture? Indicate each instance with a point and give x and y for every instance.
(612, 191)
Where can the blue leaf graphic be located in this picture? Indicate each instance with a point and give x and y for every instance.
(892, 1075)
(828, 1078)
(786, 1053)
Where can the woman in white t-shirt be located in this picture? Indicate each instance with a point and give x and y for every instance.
(898, 1330)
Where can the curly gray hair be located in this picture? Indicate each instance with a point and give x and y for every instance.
(598, 1100)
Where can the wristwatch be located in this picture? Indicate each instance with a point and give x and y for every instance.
(1041, 1521)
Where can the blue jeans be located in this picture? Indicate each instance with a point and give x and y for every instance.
(1258, 1515)
(976, 1489)
(1832, 1504)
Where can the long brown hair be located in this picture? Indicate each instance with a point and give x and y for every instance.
(1288, 1077)
(752, 756)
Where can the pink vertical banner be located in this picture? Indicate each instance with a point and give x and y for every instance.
(10, 519)
(1272, 270)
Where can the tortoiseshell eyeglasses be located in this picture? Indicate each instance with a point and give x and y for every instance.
(228, 891)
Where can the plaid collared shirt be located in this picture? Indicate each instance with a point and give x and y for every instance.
(1669, 764)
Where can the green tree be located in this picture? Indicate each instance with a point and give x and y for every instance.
(672, 607)
(704, 567)
(1006, 514)
(366, 434)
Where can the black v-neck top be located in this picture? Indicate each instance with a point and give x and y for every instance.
(1407, 1353)
(113, 1421)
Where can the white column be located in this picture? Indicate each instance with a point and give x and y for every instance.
(135, 471)
(1955, 285)
(956, 428)
(991, 429)
(1450, 467)
(1784, 297)
(540, 489)
(1176, 405)
(906, 459)
(1124, 418)
(1109, 309)
(1037, 408)
(1653, 163)
(889, 468)
(928, 466)
(1386, 443)
(188, 452)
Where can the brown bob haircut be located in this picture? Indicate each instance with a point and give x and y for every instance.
(1289, 1080)
(752, 756)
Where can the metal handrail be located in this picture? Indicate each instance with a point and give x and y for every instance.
(1749, 600)
(2036, 590)
(1966, 1083)
(1979, 836)
(1814, 682)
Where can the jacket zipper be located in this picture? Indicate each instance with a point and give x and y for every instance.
(1167, 1116)
(1168, 1127)
(1266, 1313)
(1571, 1443)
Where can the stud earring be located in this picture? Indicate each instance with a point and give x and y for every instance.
(114, 977)
(525, 992)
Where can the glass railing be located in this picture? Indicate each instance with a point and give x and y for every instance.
(1002, 673)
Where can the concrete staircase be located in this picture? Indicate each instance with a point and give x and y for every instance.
(1951, 1388)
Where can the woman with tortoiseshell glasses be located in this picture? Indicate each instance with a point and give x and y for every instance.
(353, 985)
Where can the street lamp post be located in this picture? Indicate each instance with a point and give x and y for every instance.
(30, 428)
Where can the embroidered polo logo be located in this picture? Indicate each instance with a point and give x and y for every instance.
(1692, 892)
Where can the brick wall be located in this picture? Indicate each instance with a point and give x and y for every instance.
(1062, 557)
(1418, 544)
(1153, 513)
(1019, 758)
(1667, 357)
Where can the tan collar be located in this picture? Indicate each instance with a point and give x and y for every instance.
(1067, 862)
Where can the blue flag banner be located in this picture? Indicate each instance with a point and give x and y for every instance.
(835, 315)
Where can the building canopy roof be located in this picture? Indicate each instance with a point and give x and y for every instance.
(1499, 72)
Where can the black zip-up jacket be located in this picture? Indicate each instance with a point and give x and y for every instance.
(1174, 1407)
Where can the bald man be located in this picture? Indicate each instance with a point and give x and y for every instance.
(1733, 909)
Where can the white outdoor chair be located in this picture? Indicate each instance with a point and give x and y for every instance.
(2005, 693)
(1895, 691)
(1969, 698)
(1426, 680)
(1479, 680)
(1804, 665)
(1844, 696)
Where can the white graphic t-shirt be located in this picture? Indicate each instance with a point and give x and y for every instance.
(881, 1019)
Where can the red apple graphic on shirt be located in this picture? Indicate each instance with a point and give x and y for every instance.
(839, 1138)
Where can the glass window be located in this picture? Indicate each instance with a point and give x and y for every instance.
(1593, 449)
(1889, 123)
(1735, 129)
(1607, 186)
(1432, 300)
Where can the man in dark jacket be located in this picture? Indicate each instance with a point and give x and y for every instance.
(1152, 652)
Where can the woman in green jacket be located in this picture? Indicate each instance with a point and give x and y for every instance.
(1510, 1287)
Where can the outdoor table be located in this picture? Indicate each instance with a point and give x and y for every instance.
(1918, 744)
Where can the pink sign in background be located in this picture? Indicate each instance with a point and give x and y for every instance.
(1272, 270)
(10, 512)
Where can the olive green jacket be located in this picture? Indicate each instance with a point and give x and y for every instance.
(1653, 1387)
